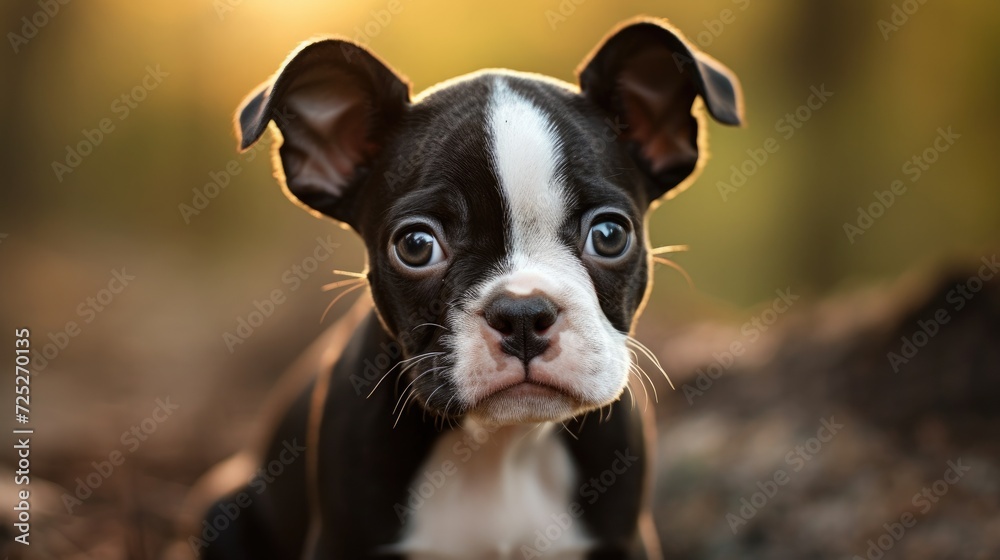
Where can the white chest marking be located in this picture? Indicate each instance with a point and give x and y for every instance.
(488, 493)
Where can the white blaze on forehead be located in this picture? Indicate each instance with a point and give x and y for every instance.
(527, 155)
(590, 357)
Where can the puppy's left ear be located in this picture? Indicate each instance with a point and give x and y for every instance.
(646, 75)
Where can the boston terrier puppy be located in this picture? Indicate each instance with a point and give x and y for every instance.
(476, 409)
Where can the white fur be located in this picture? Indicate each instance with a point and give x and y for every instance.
(588, 357)
(507, 483)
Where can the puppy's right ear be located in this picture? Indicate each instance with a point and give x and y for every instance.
(334, 103)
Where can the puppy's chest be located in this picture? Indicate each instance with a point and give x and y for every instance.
(501, 494)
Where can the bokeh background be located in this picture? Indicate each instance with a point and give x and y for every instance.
(898, 72)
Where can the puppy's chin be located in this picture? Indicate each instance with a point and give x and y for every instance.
(526, 403)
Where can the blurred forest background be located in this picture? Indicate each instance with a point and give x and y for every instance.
(163, 78)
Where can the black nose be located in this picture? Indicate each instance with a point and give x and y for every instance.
(523, 322)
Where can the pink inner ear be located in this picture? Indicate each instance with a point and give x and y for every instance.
(657, 103)
(327, 138)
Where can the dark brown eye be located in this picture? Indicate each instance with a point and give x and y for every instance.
(607, 238)
(418, 248)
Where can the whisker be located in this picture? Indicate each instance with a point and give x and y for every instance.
(570, 432)
(409, 399)
(633, 369)
(412, 362)
(669, 249)
(349, 273)
(628, 387)
(652, 357)
(431, 396)
(528, 433)
(644, 349)
(339, 283)
(676, 267)
(430, 325)
(405, 369)
(656, 397)
(405, 393)
(447, 406)
(431, 370)
(645, 393)
(402, 409)
(418, 358)
(361, 284)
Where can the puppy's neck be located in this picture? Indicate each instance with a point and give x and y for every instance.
(514, 439)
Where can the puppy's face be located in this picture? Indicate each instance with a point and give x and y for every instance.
(508, 206)
(503, 213)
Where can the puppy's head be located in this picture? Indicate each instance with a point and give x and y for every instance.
(503, 213)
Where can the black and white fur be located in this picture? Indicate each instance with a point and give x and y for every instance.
(514, 329)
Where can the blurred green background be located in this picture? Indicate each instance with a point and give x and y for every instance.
(63, 233)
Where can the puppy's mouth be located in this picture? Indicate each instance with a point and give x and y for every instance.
(526, 401)
(527, 390)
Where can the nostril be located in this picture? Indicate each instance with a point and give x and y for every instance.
(544, 321)
(502, 326)
(499, 320)
(543, 314)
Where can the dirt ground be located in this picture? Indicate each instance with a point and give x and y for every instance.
(816, 432)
